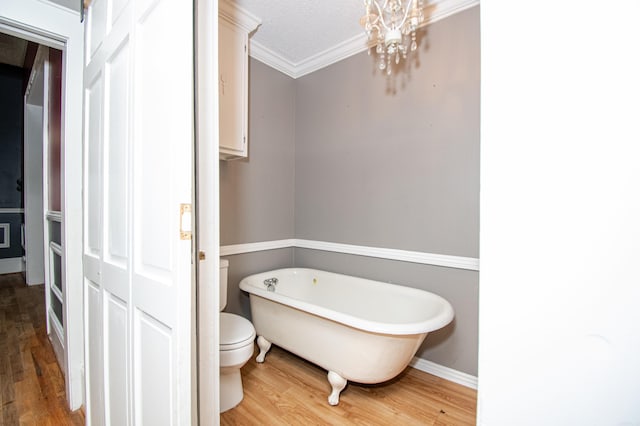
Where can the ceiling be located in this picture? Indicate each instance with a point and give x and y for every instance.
(298, 37)
(294, 31)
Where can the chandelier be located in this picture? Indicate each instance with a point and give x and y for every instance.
(387, 23)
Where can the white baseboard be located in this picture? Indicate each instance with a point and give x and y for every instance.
(11, 265)
(446, 373)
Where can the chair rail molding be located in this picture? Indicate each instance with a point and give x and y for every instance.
(458, 262)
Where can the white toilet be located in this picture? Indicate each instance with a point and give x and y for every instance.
(236, 347)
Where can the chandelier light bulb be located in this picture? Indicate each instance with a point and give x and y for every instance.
(393, 37)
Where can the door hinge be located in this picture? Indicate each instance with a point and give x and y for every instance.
(185, 221)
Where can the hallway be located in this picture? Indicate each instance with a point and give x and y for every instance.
(31, 384)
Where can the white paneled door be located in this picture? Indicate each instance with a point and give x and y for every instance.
(138, 186)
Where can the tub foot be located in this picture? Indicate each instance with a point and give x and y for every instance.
(264, 346)
(337, 384)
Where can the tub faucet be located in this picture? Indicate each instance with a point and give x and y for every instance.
(271, 283)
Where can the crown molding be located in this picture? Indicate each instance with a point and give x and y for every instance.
(238, 16)
(440, 9)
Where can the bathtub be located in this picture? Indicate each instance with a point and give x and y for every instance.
(359, 330)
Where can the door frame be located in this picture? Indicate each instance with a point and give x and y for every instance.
(207, 201)
(58, 27)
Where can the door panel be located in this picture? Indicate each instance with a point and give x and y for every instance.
(94, 353)
(116, 143)
(138, 172)
(153, 344)
(117, 157)
(93, 184)
(117, 362)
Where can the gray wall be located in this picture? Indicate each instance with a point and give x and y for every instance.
(256, 194)
(11, 124)
(395, 169)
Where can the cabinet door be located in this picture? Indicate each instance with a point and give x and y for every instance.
(233, 84)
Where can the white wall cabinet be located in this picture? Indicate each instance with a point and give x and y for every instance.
(234, 27)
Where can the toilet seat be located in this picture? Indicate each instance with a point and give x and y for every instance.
(235, 332)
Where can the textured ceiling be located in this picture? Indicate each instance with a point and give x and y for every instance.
(298, 37)
(299, 29)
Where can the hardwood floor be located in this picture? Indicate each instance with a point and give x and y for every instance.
(287, 390)
(31, 383)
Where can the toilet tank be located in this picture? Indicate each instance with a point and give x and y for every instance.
(224, 269)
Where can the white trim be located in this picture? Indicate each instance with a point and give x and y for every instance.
(11, 210)
(458, 262)
(439, 9)
(313, 63)
(56, 248)
(11, 265)
(394, 254)
(57, 293)
(207, 201)
(40, 35)
(238, 16)
(272, 59)
(5, 230)
(252, 247)
(446, 373)
(54, 216)
(57, 327)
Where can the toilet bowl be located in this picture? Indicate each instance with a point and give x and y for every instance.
(236, 347)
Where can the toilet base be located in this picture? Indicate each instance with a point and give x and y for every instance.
(230, 388)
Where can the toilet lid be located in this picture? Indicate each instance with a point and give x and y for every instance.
(235, 331)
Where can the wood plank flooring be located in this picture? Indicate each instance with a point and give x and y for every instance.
(32, 388)
(287, 390)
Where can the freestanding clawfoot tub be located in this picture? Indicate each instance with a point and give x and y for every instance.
(360, 330)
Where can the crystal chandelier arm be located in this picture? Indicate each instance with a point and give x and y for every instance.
(367, 22)
(413, 4)
(381, 13)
